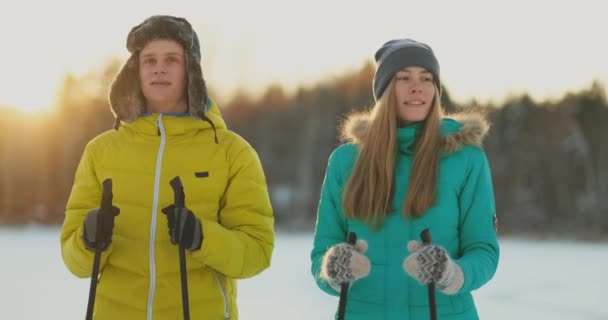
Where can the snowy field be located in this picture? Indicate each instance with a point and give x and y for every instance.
(540, 280)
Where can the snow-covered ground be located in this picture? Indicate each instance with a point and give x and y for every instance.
(541, 280)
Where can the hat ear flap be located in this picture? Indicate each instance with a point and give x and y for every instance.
(197, 88)
(125, 93)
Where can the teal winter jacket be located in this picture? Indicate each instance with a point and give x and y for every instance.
(462, 221)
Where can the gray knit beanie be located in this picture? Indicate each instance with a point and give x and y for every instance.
(398, 54)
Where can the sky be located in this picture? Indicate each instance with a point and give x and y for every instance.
(487, 50)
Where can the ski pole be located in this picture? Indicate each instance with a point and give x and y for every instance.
(352, 240)
(105, 208)
(426, 239)
(180, 203)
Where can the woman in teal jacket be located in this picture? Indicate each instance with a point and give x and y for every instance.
(407, 168)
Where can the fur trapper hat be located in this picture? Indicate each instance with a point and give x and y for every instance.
(126, 98)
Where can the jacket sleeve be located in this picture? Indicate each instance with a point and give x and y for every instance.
(85, 195)
(331, 227)
(479, 249)
(241, 244)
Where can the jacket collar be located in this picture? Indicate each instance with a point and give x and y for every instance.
(177, 123)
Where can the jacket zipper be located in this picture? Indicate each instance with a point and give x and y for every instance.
(226, 309)
(159, 160)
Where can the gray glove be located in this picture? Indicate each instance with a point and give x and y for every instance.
(98, 228)
(431, 263)
(345, 263)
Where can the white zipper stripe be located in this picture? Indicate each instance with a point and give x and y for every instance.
(226, 311)
(159, 160)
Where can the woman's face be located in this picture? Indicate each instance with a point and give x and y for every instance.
(414, 90)
(162, 76)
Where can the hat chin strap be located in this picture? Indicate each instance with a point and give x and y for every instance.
(204, 117)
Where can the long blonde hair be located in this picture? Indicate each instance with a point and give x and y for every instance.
(368, 194)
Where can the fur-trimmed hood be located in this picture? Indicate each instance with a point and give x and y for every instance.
(471, 128)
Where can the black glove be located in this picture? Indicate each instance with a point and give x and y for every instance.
(98, 227)
(184, 228)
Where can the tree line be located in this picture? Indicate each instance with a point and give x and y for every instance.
(549, 162)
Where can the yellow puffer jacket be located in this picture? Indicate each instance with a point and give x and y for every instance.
(225, 188)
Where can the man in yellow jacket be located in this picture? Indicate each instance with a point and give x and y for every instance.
(166, 127)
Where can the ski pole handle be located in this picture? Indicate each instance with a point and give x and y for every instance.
(105, 209)
(106, 196)
(179, 198)
(351, 239)
(425, 235)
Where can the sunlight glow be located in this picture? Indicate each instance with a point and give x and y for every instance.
(29, 95)
(486, 50)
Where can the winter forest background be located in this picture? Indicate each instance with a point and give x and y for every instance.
(549, 158)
